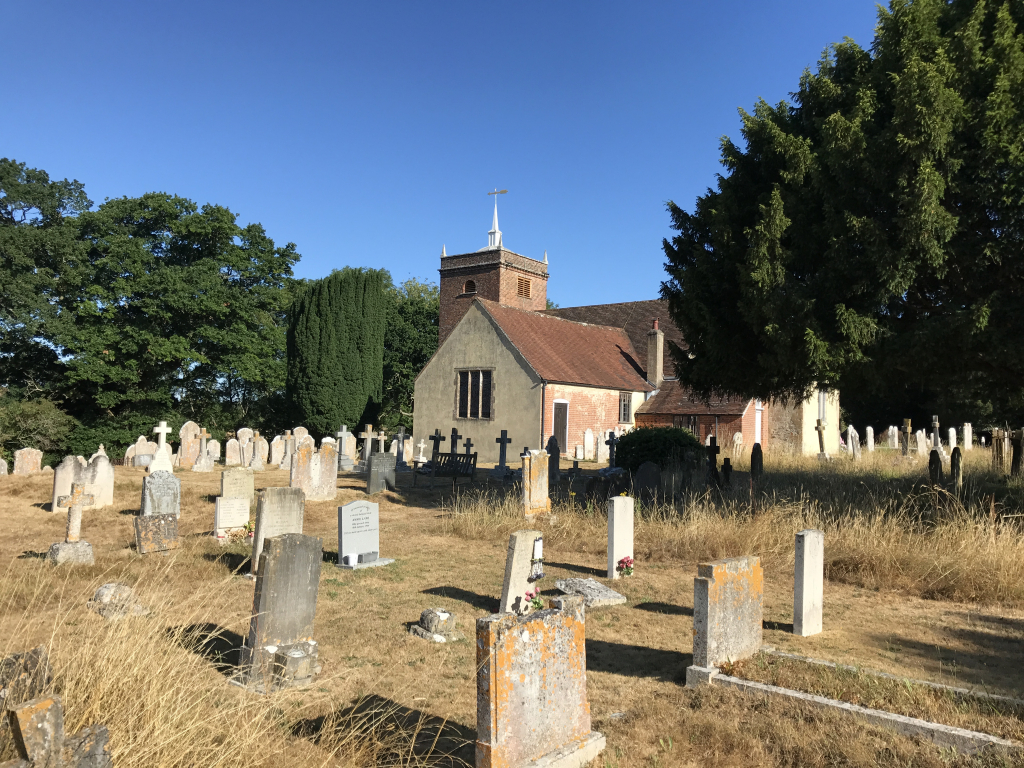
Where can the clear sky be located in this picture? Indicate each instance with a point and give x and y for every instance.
(370, 133)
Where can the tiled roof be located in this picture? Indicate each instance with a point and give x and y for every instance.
(673, 399)
(635, 318)
(570, 353)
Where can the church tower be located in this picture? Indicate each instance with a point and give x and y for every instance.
(492, 273)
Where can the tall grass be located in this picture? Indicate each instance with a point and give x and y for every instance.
(885, 528)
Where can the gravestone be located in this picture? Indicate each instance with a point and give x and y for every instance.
(737, 443)
(299, 432)
(204, 461)
(727, 613)
(554, 459)
(98, 477)
(578, 453)
(532, 707)
(647, 482)
(279, 650)
(3, 466)
(588, 445)
(968, 436)
(278, 511)
(346, 449)
(756, 462)
(611, 442)
(156, 533)
(381, 476)
(620, 532)
(230, 515)
(213, 449)
(41, 741)
(238, 484)
(951, 433)
(73, 550)
(161, 495)
(367, 436)
(359, 536)
(502, 471)
(129, 455)
(256, 451)
(852, 441)
(893, 436)
(162, 458)
(524, 565)
(189, 445)
(325, 472)
(244, 435)
(535, 483)
(956, 469)
(233, 454)
(276, 450)
(594, 593)
(68, 472)
(305, 469)
(99, 452)
(436, 625)
(808, 582)
(934, 467)
(905, 438)
(27, 461)
(869, 439)
(923, 443)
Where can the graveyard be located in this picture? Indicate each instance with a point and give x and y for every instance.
(922, 585)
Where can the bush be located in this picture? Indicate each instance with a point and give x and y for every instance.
(38, 423)
(656, 444)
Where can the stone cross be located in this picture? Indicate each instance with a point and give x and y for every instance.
(422, 444)
(905, 438)
(455, 441)
(469, 445)
(611, 442)
(288, 441)
(382, 439)
(502, 442)
(713, 451)
(161, 433)
(935, 432)
(368, 436)
(203, 437)
(75, 502)
(437, 438)
(820, 429)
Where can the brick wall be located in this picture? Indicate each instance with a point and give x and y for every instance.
(589, 408)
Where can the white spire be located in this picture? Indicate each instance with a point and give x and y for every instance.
(545, 257)
(443, 254)
(494, 236)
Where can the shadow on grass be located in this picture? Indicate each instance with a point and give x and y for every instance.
(475, 599)
(330, 557)
(383, 732)
(778, 626)
(220, 646)
(637, 661)
(584, 569)
(30, 554)
(668, 608)
(236, 562)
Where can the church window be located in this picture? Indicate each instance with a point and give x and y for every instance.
(625, 407)
(523, 290)
(470, 286)
(474, 396)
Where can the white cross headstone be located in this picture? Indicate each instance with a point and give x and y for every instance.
(162, 460)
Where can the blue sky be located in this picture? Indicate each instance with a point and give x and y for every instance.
(369, 134)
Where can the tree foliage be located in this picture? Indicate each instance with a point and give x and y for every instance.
(868, 236)
(336, 349)
(654, 444)
(409, 343)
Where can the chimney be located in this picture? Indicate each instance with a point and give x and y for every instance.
(655, 355)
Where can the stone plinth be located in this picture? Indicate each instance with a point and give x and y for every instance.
(70, 552)
(808, 582)
(594, 593)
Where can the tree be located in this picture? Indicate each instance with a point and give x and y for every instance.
(409, 343)
(868, 236)
(336, 349)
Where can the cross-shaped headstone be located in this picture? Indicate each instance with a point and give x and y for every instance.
(455, 441)
(713, 450)
(74, 502)
(502, 442)
(255, 435)
(203, 437)
(421, 446)
(382, 439)
(905, 437)
(469, 445)
(820, 429)
(161, 433)
(935, 432)
(611, 442)
(368, 436)
(437, 438)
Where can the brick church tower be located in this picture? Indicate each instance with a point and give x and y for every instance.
(492, 273)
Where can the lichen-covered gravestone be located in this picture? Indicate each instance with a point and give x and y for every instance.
(594, 593)
(325, 485)
(232, 454)
(278, 511)
(27, 461)
(535, 483)
(531, 689)
(156, 533)
(238, 483)
(279, 651)
(359, 536)
(161, 495)
(40, 740)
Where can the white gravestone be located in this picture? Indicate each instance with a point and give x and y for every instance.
(229, 515)
(525, 554)
(588, 445)
(162, 459)
(278, 511)
(233, 453)
(620, 532)
(952, 439)
(968, 437)
(359, 536)
(808, 582)
(276, 450)
(869, 437)
(213, 448)
(237, 483)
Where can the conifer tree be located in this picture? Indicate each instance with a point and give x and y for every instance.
(336, 349)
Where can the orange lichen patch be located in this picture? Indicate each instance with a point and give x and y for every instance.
(728, 610)
(156, 533)
(535, 483)
(531, 684)
(38, 727)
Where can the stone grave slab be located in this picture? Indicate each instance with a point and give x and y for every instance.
(27, 461)
(381, 476)
(359, 536)
(156, 533)
(594, 593)
(238, 484)
(229, 516)
(278, 511)
(436, 625)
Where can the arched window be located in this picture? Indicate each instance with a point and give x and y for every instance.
(470, 287)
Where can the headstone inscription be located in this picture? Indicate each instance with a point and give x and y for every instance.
(230, 515)
(278, 511)
(535, 483)
(73, 549)
(620, 534)
(359, 536)
(521, 721)
(381, 476)
(156, 533)
(808, 581)
(279, 651)
(238, 483)
(524, 565)
(161, 495)
(27, 461)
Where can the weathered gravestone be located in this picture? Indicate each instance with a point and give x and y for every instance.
(279, 651)
(968, 436)
(68, 472)
(98, 477)
(524, 565)
(278, 511)
(40, 740)
(532, 707)
(436, 625)
(588, 445)
(956, 469)
(359, 536)
(203, 462)
(156, 533)
(727, 614)
(756, 462)
(869, 439)
(934, 467)
(501, 471)
(188, 448)
(23, 677)
(3, 466)
(27, 461)
(255, 452)
(535, 483)
(233, 453)
(808, 582)
(620, 533)
(923, 443)
(893, 436)
(72, 549)
(647, 482)
(594, 593)
(951, 434)
(277, 450)
(346, 449)
(325, 485)
(161, 495)
(381, 476)
(238, 484)
(230, 515)
(554, 459)
(299, 432)
(213, 449)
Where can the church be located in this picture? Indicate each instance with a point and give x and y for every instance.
(507, 362)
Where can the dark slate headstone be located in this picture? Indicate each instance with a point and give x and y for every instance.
(554, 456)
(279, 651)
(381, 476)
(156, 533)
(161, 494)
(647, 481)
(727, 472)
(756, 462)
(956, 469)
(934, 467)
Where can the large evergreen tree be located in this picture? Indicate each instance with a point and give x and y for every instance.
(410, 342)
(869, 235)
(336, 349)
